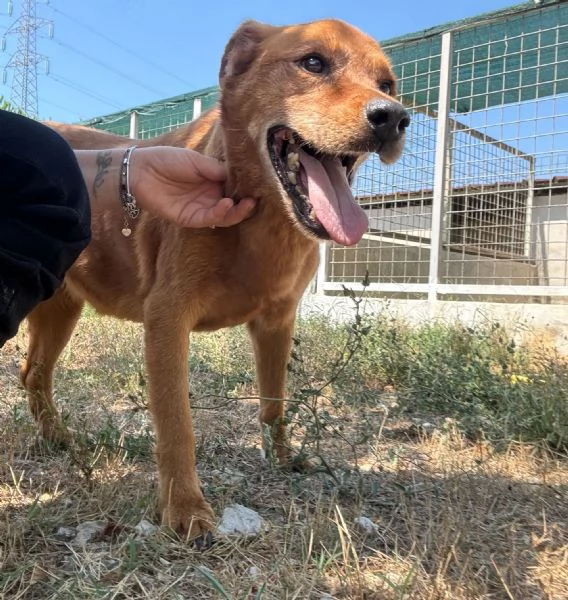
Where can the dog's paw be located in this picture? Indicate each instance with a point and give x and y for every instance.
(192, 521)
(55, 435)
(288, 460)
(299, 463)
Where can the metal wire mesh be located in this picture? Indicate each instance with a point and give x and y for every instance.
(505, 213)
(159, 117)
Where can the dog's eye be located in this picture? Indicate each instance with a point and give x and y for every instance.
(313, 63)
(386, 87)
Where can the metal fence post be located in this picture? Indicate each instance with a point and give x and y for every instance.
(319, 280)
(196, 108)
(530, 252)
(133, 125)
(442, 167)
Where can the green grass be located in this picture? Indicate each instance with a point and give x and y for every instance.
(479, 375)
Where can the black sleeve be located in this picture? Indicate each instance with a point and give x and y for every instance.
(44, 216)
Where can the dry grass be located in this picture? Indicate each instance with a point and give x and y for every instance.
(456, 519)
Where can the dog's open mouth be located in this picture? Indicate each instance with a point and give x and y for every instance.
(318, 187)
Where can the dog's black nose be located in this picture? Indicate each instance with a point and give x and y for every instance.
(387, 118)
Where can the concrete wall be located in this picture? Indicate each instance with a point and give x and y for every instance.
(549, 323)
(392, 261)
(549, 238)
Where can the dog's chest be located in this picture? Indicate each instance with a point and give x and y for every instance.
(260, 289)
(228, 312)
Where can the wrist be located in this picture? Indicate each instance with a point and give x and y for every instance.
(101, 170)
(135, 167)
(127, 198)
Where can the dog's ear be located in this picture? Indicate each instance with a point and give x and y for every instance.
(242, 48)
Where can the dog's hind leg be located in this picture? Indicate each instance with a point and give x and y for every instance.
(50, 326)
(271, 336)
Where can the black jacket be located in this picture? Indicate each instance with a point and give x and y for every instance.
(45, 219)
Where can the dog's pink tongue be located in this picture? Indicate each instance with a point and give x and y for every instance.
(331, 197)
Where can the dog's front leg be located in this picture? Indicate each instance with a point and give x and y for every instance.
(271, 336)
(182, 505)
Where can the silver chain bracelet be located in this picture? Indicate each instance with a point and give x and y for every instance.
(127, 199)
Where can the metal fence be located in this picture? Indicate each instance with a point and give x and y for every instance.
(477, 207)
(151, 120)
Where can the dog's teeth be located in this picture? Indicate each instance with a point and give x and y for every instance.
(293, 161)
(292, 177)
(299, 190)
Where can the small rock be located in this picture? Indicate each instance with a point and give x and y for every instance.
(145, 528)
(111, 563)
(428, 427)
(240, 520)
(254, 572)
(65, 534)
(327, 597)
(233, 477)
(365, 524)
(87, 531)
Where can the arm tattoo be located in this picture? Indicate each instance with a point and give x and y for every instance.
(104, 159)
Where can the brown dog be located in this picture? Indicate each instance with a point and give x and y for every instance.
(301, 106)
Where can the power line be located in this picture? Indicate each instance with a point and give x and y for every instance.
(83, 90)
(111, 41)
(44, 101)
(108, 67)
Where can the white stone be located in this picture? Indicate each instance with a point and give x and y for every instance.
(254, 572)
(87, 531)
(145, 528)
(65, 533)
(240, 520)
(365, 524)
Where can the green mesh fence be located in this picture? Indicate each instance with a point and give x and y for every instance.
(530, 62)
(527, 59)
(158, 117)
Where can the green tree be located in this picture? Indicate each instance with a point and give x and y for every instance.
(7, 105)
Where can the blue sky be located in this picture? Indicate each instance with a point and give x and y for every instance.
(108, 55)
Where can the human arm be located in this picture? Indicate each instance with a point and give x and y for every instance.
(177, 184)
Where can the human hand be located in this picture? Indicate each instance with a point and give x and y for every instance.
(185, 187)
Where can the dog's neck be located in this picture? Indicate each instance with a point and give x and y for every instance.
(247, 177)
(270, 241)
(232, 144)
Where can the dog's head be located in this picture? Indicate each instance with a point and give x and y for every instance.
(313, 100)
